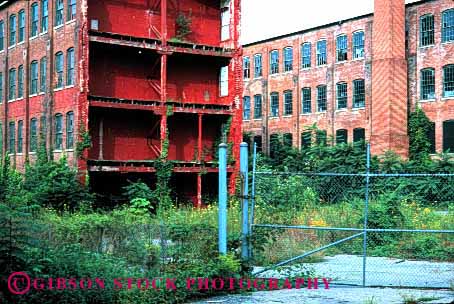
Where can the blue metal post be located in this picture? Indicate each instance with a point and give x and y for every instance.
(366, 211)
(245, 202)
(223, 198)
(251, 218)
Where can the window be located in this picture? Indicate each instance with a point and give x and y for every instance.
(448, 136)
(43, 125)
(59, 13)
(321, 52)
(426, 30)
(33, 135)
(21, 25)
(34, 77)
(341, 48)
(2, 35)
(71, 13)
(431, 137)
(257, 106)
(12, 30)
(58, 143)
(358, 45)
(246, 107)
(274, 145)
(306, 100)
(12, 138)
(342, 95)
(306, 139)
(20, 81)
(69, 130)
(59, 70)
(359, 134)
(258, 143)
(34, 20)
(44, 16)
(427, 84)
(43, 74)
(288, 103)
(12, 84)
(258, 65)
(359, 93)
(447, 26)
(320, 137)
(1, 141)
(321, 98)
(288, 140)
(306, 55)
(20, 129)
(1, 87)
(224, 81)
(288, 59)
(274, 62)
(341, 136)
(246, 68)
(70, 67)
(225, 23)
(274, 104)
(448, 81)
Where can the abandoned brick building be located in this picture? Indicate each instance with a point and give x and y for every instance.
(147, 80)
(356, 79)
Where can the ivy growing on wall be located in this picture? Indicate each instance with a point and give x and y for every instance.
(419, 133)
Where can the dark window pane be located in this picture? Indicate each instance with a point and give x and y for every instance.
(341, 136)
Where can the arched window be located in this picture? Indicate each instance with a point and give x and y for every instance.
(306, 100)
(447, 26)
(341, 48)
(21, 25)
(34, 77)
(44, 16)
(59, 13)
(69, 130)
(59, 70)
(448, 81)
(274, 104)
(70, 67)
(71, 12)
(246, 107)
(34, 20)
(257, 106)
(12, 30)
(359, 134)
(12, 84)
(33, 135)
(321, 52)
(274, 62)
(43, 74)
(358, 45)
(2, 35)
(426, 30)
(20, 81)
(321, 98)
(58, 142)
(288, 59)
(20, 135)
(306, 55)
(288, 102)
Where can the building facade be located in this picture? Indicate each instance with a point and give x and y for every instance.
(355, 79)
(147, 81)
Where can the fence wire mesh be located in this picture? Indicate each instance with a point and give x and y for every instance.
(409, 220)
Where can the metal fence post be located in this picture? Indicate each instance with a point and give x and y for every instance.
(251, 218)
(366, 210)
(222, 213)
(245, 202)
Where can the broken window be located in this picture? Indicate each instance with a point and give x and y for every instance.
(341, 48)
(12, 30)
(71, 12)
(21, 25)
(246, 68)
(274, 62)
(2, 35)
(257, 106)
(34, 20)
(69, 130)
(447, 26)
(306, 139)
(70, 67)
(342, 95)
(258, 65)
(274, 104)
(33, 135)
(359, 134)
(358, 45)
(448, 136)
(44, 16)
(321, 52)
(59, 13)
(43, 74)
(288, 59)
(288, 102)
(306, 100)
(58, 143)
(224, 81)
(306, 55)
(321, 98)
(12, 84)
(20, 81)
(34, 77)
(341, 136)
(359, 93)
(246, 107)
(427, 84)
(12, 138)
(20, 129)
(448, 81)
(426, 29)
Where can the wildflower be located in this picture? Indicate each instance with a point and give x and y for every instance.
(426, 210)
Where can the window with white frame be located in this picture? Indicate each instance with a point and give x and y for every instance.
(341, 90)
(358, 45)
(274, 104)
(321, 52)
(448, 80)
(321, 98)
(427, 84)
(288, 102)
(306, 55)
(288, 59)
(341, 48)
(306, 100)
(274, 62)
(426, 30)
(258, 72)
(359, 93)
(447, 26)
(257, 106)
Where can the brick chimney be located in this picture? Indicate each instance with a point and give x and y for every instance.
(389, 79)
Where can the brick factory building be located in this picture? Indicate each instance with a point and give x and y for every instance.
(147, 79)
(356, 79)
